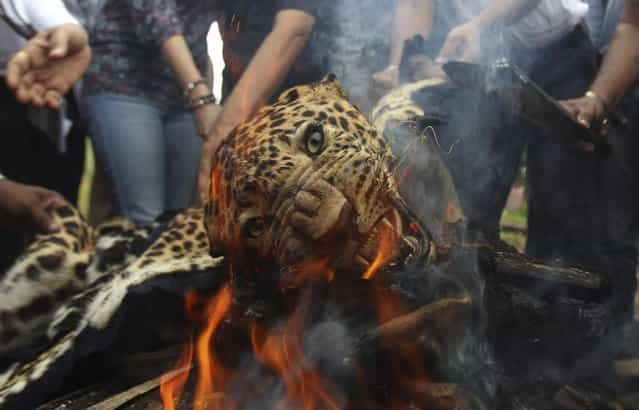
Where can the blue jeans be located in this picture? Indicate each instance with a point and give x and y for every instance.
(149, 152)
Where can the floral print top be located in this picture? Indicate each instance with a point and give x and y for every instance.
(127, 41)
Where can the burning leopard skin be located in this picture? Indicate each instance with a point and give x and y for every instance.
(84, 275)
(57, 266)
(307, 178)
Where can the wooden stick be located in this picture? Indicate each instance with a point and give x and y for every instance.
(438, 315)
(117, 401)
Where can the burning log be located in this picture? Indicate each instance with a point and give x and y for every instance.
(435, 319)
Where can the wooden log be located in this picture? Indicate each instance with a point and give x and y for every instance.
(120, 399)
(437, 317)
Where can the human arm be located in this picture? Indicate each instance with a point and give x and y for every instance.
(26, 207)
(463, 41)
(176, 52)
(410, 18)
(618, 73)
(159, 25)
(264, 74)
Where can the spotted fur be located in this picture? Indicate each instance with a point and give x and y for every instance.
(56, 267)
(308, 177)
(86, 320)
(269, 177)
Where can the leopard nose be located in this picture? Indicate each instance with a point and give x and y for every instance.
(321, 212)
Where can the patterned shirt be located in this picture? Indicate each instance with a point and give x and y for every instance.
(127, 41)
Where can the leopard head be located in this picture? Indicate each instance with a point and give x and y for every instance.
(307, 179)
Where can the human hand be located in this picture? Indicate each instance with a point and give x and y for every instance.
(48, 65)
(590, 112)
(384, 81)
(205, 115)
(209, 148)
(462, 44)
(205, 118)
(27, 208)
(587, 111)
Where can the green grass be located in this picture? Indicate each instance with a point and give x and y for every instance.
(516, 220)
(84, 194)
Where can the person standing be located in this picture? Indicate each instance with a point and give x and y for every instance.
(263, 45)
(575, 212)
(147, 102)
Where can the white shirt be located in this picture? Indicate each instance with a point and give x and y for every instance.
(549, 21)
(39, 14)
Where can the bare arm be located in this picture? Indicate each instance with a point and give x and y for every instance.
(176, 52)
(463, 42)
(618, 73)
(264, 74)
(159, 25)
(268, 68)
(620, 68)
(411, 18)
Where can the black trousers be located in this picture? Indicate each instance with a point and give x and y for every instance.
(582, 207)
(29, 156)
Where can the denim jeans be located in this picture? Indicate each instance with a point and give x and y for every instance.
(149, 152)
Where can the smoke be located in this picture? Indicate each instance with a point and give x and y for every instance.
(355, 36)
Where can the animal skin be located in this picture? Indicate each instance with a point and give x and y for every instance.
(307, 178)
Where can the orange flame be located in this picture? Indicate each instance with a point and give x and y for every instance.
(211, 374)
(309, 271)
(172, 384)
(384, 251)
(216, 182)
(282, 352)
(406, 363)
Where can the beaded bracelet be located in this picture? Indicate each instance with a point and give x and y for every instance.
(191, 86)
(200, 101)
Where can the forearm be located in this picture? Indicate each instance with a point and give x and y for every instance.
(504, 12)
(411, 18)
(176, 52)
(265, 73)
(620, 68)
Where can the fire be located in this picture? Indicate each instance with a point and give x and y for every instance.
(384, 251)
(282, 352)
(279, 349)
(172, 384)
(406, 364)
(313, 271)
(211, 374)
(216, 182)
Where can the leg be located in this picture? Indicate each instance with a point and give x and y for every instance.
(183, 147)
(581, 207)
(486, 145)
(127, 137)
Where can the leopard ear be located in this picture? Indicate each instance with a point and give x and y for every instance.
(331, 84)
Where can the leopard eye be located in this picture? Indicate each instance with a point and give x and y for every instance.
(253, 228)
(314, 139)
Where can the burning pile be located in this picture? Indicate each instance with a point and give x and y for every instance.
(337, 297)
(274, 370)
